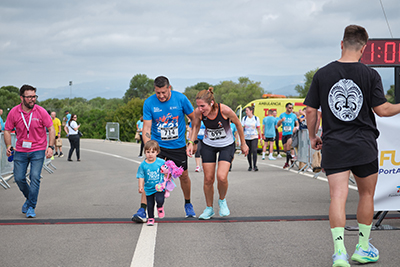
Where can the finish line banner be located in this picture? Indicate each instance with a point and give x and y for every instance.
(387, 192)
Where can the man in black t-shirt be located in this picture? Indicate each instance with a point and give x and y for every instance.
(349, 93)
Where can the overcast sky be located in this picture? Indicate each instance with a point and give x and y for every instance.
(47, 43)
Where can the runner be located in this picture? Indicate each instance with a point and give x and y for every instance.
(218, 138)
(288, 120)
(349, 93)
(164, 121)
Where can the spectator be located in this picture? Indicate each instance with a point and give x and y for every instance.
(72, 130)
(139, 128)
(252, 132)
(57, 129)
(31, 122)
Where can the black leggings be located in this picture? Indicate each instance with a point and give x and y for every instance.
(252, 144)
(141, 145)
(74, 142)
(157, 197)
(277, 140)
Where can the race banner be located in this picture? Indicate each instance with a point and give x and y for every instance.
(387, 192)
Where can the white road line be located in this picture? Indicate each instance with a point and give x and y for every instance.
(145, 247)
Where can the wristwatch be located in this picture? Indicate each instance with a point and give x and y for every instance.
(52, 147)
(196, 142)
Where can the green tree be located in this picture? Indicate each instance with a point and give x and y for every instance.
(8, 99)
(303, 89)
(127, 116)
(11, 89)
(390, 95)
(191, 91)
(233, 94)
(140, 86)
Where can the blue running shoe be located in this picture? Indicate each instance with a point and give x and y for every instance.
(207, 214)
(189, 210)
(30, 213)
(340, 259)
(140, 216)
(25, 207)
(365, 256)
(223, 208)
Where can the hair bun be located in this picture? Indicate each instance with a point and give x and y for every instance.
(211, 90)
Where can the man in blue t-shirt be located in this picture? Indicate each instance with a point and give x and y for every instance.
(164, 121)
(268, 135)
(288, 120)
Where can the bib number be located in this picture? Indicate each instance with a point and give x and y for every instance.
(214, 134)
(169, 133)
(287, 129)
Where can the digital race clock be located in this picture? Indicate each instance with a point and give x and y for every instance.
(382, 53)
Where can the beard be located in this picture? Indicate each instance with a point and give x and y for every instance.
(28, 105)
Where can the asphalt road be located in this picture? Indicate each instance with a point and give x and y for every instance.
(278, 218)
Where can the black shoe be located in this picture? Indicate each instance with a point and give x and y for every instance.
(56, 154)
(69, 159)
(249, 169)
(256, 169)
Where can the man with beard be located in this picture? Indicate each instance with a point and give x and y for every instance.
(30, 122)
(164, 121)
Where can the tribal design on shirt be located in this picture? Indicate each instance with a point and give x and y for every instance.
(345, 100)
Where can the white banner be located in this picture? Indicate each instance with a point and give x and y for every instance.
(387, 192)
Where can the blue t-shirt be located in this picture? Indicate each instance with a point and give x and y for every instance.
(2, 124)
(234, 130)
(269, 124)
(200, 135)
(288, 123)
(168, 125)
(151, 174)
(139, 124)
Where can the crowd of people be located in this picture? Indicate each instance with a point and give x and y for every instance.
(214, 132)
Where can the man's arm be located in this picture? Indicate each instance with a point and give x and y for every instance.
(387, 109)
(146, 131)
(52, 133)
(312, 118)
(7, 140)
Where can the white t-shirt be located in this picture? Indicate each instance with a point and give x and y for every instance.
(250, 127)
(71, 127)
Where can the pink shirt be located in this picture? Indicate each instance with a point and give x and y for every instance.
(37, 130)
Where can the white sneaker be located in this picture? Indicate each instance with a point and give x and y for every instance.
(263, 157)
(198, 169)
(279, 156)
(271, 158)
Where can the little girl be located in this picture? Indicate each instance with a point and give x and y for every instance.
(149, 175)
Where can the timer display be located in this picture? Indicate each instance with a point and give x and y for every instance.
(382, 53)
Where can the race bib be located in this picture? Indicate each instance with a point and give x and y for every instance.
(201, 132)
(214, 134)
(170, 133)
(287, 128)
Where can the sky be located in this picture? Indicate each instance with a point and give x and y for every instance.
(48, 43)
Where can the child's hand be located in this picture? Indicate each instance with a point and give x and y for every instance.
(141, 190)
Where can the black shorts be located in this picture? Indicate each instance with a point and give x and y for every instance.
(285, 138)
(361, 171)
(269, 139)
(199, 144)
(178, 156)
(209, 153)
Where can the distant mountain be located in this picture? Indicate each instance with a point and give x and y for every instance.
(283, 85)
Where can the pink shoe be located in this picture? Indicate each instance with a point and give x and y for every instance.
(161, 213)
(166, 195)
(150, 222)
(198, 169)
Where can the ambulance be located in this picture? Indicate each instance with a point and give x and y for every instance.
(274, 102)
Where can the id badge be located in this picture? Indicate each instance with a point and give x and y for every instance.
(27, 144)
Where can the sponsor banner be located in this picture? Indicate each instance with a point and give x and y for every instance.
(387, 192)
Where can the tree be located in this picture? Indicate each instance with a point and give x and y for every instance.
(140, 86)
(390, 95)
(127, 116)
(9, 98)
(233, 94)
(193, 90)
(303, 90)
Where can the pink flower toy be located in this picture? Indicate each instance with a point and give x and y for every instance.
(171, 172)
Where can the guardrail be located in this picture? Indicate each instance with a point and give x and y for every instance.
(6, 167)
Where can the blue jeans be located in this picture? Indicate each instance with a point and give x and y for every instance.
(21, 162)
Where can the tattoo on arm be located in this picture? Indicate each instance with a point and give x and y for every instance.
(148, 135)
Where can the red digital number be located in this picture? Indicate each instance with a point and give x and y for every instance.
(387, 44)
